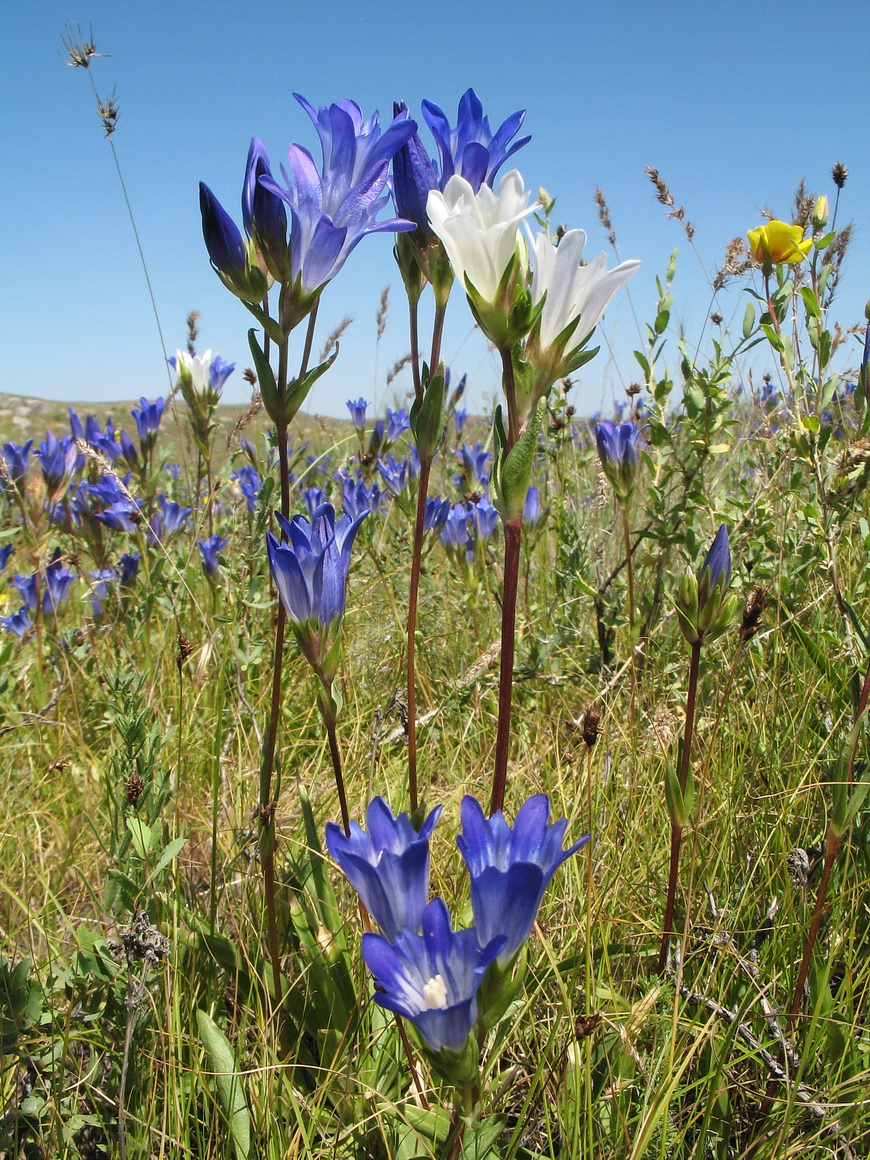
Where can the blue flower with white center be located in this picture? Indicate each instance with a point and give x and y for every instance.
(358, 408)
(210, 550)
(387, 865)
(432, 978)
(510, 868)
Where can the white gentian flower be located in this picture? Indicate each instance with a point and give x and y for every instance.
(574, 291)
(480, 231)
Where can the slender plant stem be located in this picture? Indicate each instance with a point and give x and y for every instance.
(329, 720)
(414, 325)
(629, 572)
(437, 333)
(676, 828)
(510, 581)
(413, 593)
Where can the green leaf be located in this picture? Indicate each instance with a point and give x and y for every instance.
(169, 853)
(748, 320)
(230, 1089)
(143, 838)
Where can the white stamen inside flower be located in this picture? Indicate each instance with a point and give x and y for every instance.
(435, 994)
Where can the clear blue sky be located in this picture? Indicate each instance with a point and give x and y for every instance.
(732, 102)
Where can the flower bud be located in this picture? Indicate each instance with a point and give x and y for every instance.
(820, 213)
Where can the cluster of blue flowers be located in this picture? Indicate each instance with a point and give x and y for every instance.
(424, 970)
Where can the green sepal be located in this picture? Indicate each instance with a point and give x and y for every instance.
(427, 418)
(686, 605)
(499, 988)
(509, 318)
(512, 469)
(457, 1067)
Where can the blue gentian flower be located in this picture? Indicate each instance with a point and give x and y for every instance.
(249, 484)
(314, 497)
(129, 565)
(100, 589)
(57, 459)
(471, 149)
(57, 581)
(16, 457)
(717, 563)
(432, 978)
(387, 864)
(5, 553)
(210, 549)
(532, 509)
(436, 514)
(331, 211)
(27, 588)
(454, 535)
(128, 449)
(395, 475)
(358, 408)
(310, 573)
(414, 175)
(121, 516)
(484, 518)
(459, 419)
(510, 868)
(18, 624)
(263, 214)
(170, 519)
(147, 419)
(232, 258)
(619, 452)
(475, 464)
(376, 439)
(357, 499)
(397, 424)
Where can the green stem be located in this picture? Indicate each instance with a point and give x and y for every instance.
(329, 720)
(676, 828)
(416, 561)
(512, 541)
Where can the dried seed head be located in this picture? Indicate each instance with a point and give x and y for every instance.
(185, 648)
(752, 614)
(839, 174)
(134, 787)
(591, 726)
(716, 319)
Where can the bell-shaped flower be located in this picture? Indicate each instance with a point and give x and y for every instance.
(210, 550)
(480, 233)
(310, 570)
(201, 377)
(472, 150)
(574, 297)
(333, 209)
(510, 868)
(619, 451)
(147, 419)
(16, 456)
(19, 623)
(480, 228)
(57, 459)
(432, 978)
(777, 242)
(358, 408)
(233, 258)
(387, 865)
